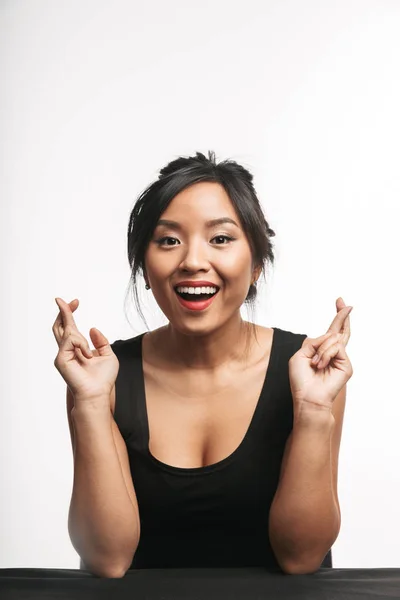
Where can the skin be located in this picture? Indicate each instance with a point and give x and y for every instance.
(206, 342)
(321, 368)
(305, 516)
(194, 251)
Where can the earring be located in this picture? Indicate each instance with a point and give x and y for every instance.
(147, 286)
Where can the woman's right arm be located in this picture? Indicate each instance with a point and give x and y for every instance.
(103, 520)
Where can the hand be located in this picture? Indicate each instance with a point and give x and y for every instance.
(319, 384)
(88, 374)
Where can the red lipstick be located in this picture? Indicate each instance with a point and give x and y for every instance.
(197, 283)
(196, 305)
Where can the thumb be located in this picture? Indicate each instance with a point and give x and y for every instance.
(100, 342)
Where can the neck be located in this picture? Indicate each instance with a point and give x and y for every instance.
(211, 350)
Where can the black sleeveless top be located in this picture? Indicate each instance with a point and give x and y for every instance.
(217, 515)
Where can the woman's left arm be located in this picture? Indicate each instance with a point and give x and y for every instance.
(304, 518)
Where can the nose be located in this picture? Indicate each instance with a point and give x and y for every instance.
(195, 257)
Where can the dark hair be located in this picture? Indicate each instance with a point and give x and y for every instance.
(180, 174)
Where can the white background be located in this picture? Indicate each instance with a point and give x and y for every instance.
(97, 96)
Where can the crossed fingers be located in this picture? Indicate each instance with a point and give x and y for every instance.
(335, 341)
(65, 320)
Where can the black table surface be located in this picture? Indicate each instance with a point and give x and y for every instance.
(201, 584)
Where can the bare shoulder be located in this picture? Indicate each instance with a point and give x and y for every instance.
(264, 337)
(267, 332)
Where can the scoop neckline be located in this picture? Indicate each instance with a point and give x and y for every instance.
(240, 448)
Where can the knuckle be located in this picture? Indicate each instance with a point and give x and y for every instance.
(333, 340)
(322, 349)
(65, 344)
(68, 331)
(80, 341)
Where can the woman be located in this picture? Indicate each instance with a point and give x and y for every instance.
(211, 441)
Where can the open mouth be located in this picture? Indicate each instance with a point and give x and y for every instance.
(196, 294)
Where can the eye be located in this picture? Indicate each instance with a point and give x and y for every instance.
(162, 241)
(225, 239)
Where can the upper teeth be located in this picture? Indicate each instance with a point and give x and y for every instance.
(196, 290)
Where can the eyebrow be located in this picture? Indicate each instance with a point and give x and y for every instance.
(209, 224)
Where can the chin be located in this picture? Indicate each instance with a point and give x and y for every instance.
(194, 330)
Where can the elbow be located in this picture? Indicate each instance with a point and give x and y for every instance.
(119, 570)
(306, 560)
(105, 571)
(115, 574)
(109, 566)
(109, 573)
(302, 565)
(300, 568)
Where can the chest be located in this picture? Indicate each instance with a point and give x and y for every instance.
(197, 421)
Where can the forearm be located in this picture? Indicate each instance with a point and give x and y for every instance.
(102, 522)
(304, 518)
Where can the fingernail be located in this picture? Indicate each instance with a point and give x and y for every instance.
(315, 358)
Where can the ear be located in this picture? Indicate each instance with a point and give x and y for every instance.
(256, 274)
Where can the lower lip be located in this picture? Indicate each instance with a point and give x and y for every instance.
(196, 305)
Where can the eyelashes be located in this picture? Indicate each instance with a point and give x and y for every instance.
(162, 241)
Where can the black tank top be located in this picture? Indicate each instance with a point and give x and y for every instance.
(217, 515)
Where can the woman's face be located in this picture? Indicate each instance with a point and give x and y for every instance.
(189, 247)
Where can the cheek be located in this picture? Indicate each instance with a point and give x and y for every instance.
(155, 267)
(237, 266)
